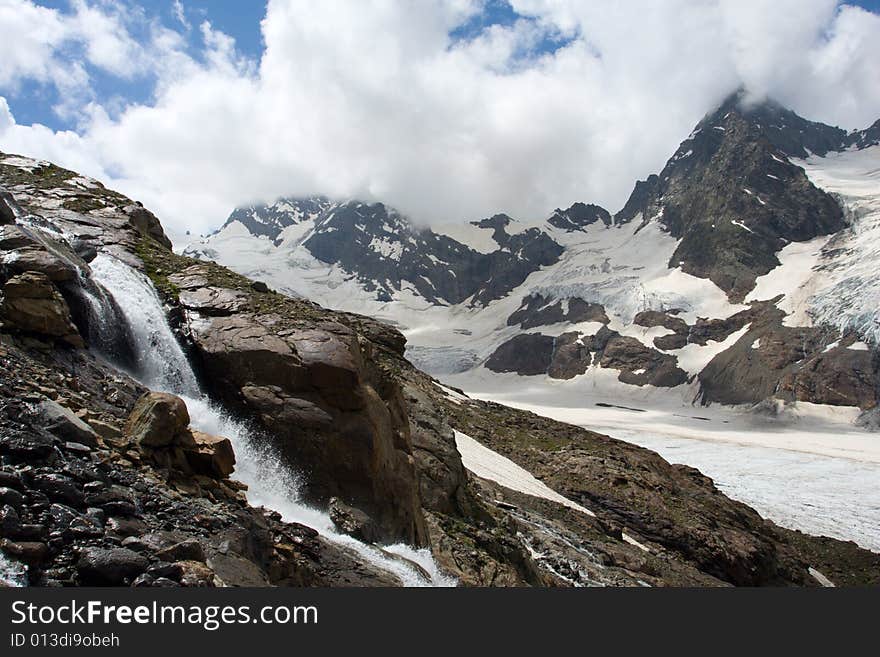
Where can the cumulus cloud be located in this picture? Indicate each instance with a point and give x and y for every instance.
(382, 101)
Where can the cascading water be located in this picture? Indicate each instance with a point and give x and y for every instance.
(162, 365)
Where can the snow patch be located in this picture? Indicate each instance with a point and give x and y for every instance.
(488, 464)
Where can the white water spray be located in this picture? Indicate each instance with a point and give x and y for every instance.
(163, 366)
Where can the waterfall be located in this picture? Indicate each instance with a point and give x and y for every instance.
(161, 365)
(100, 321)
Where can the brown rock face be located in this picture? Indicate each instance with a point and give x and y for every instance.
(7, 214)
(527, 354)
(157, 419)
(32, 304)
(209, 455)
(321, 399)
(640, 365)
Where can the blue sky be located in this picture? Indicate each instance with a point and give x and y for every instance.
(443, 109)
(34, 102)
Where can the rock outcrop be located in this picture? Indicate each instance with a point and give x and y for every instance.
(32, 304)
(310, 381)
(104, 482)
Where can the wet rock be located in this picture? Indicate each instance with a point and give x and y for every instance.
(10, 522)
(324, 404)
(32, 304)
(126, 526)
(14, 237)
(62, 422)
(173, 571)
(32, 553)
(11, 497)
(109, 567)
(209, 455)
(157, 419)
(189, 550)
(352, 521)
(59, 488)
(7, 213)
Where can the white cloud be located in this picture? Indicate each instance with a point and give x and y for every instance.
(373, 99)
(179, 12)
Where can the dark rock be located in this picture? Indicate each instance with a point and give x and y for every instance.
(30, 552)
(60, 488)
(571, 357)
(527, 354)
(10, 522)
(209, 455)
(352, 521)
(62, 422)
(699, 196)
(172, 571)
(579, 216)
(11, 497)
(146, 223)
(11, 480)
(84, 249)
(536, 310)
(109, 567)
(143, 580)
(126, 526)
(32, 304)
(7, 205)
(640, 365)
(189, 550)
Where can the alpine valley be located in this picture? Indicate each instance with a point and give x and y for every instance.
(325, 392)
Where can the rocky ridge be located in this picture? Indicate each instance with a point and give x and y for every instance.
(103, 482)
(561, 298)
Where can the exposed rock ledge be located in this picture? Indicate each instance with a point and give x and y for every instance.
(124, 504)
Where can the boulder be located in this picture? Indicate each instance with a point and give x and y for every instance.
(527, 354)
(157, 419)
(196, 574)
(61, 421)
(146, 223)
(56, 267)
(352, 521)
(33, 553)
(109, 567)
(313, 384)
(188, 550)
(208, 455)
(32, 304)
(14, 237)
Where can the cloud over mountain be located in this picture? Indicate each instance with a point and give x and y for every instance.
(428, 106)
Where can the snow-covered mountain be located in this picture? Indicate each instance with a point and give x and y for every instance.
(744, 270)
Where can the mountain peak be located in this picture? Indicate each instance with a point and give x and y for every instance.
(787, 131)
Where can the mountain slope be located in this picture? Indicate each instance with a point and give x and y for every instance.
(95, 492)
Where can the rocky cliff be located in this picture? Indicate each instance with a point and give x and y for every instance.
(741, 272)
(103, 481)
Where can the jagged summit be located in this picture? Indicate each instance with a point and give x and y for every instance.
(734, 198)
